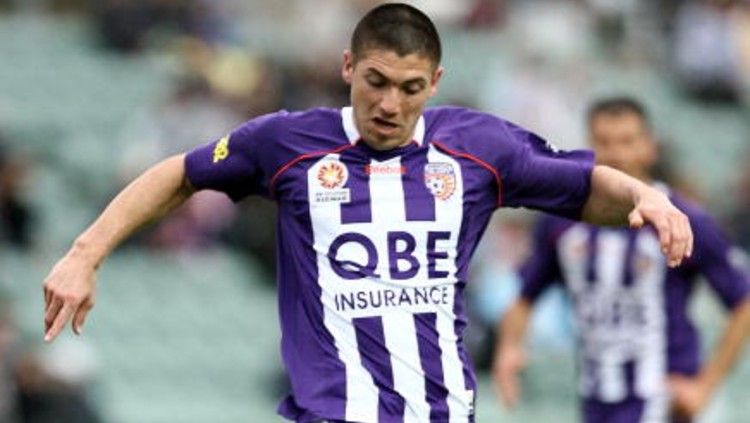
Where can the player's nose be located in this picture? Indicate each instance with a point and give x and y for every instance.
(389, 103)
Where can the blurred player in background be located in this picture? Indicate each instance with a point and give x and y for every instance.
(381, 205)
(638, 350)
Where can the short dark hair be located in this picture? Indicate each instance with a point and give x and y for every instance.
(398, 27)
(618, 106)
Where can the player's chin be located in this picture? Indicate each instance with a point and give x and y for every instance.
(381, 141)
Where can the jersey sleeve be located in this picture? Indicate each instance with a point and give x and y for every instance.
(536, 175)
(240, 163)
(542, 268)
(723, 265)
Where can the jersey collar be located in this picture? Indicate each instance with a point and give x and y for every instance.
(347, 119)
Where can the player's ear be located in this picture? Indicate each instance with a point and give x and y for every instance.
(347, 67)
(436, 75)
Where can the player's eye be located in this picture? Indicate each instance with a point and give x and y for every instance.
(412, 89)
(376, 82)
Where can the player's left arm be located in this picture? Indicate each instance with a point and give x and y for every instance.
(617, 199)
(691, 395)
(537, 175)
(720, 263)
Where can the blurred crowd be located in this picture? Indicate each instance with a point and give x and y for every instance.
(228, 73)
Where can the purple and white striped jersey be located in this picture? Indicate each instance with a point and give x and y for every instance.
(631, 309)
(374, 246)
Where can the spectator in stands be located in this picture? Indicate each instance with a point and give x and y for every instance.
(124, 25)
(15, 215)
(52, 384)
(708, 59)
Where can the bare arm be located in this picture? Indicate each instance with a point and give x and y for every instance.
(692, 394)
(729, 348)
(617, 198)
(509, 351)
(69, 289)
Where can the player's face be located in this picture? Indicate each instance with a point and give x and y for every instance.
(623, 142)
(388, 94)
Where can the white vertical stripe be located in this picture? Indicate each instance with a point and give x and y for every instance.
(449, 214)
(656, 409)
(408, 377)
(611, 246)
(387, 191)
(610, 260)
(453, 376)
(574, 252)
(648, 280)
(361, 392)
(398, 324)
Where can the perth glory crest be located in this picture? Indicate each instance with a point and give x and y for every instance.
(440, 179)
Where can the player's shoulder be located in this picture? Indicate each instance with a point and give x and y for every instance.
(464, 129)
(297, 132)
(455, 119)
(284, 119)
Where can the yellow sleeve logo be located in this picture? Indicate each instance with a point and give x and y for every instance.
(221, 151)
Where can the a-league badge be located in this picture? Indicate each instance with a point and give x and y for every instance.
(332, 176)
(440, 179)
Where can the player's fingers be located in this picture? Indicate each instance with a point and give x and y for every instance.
(80, 316)
(685, 236)
(664, 231)
(510, 390)
(677, 244)
(60, 320)
(689, 234)
(49, 316)
(47, 297)
(681, 239)
(506, 379)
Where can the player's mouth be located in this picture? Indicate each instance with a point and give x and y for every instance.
(385, 126)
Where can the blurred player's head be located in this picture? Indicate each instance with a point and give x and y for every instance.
(393, 67)
(620, 134)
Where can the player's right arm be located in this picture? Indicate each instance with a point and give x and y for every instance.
(69, 289)
(539, 271)
(510, 354)
(239, 164)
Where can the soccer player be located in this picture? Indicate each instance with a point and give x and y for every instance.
(381, 205)
(638, 349)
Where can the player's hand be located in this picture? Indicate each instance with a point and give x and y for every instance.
(672, 226)
(689, 395)
(69, 292)
(507, 364)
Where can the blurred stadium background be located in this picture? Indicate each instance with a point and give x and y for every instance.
(185, 329)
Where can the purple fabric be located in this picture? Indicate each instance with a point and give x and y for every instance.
(307, 349)
(429, 355)
(359, 209)
(542, 268)
(533, 174)
(271, 156)
(628, 411)
(420, 203)
(711, 258)
(376, 359)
